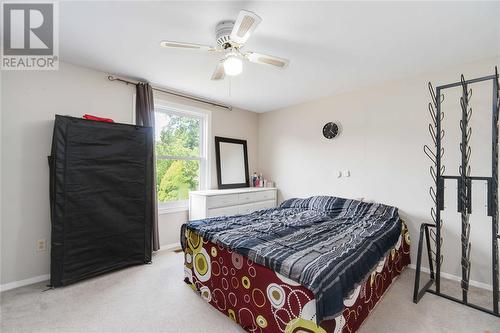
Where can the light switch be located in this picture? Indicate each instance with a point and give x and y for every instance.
(339, 174)
(347, 173)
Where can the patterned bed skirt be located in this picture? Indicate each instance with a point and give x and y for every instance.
(261, 300)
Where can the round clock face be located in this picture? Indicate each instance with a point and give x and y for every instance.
(331, 130)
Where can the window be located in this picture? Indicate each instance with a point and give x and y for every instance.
(181, 154)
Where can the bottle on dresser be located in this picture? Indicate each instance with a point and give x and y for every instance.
(254, 179)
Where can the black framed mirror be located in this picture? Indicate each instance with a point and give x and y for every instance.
(232, 163)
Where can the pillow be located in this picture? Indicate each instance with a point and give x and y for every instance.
(328, 204)
(296, 203)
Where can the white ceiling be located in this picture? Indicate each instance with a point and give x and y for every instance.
(333, 46)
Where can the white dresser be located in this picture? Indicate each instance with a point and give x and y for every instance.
(211, 203)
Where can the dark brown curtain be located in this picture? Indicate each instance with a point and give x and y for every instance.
(145, 116)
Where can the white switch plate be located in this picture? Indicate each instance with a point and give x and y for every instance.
(41, 245)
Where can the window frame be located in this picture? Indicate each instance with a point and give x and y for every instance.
(204, 157)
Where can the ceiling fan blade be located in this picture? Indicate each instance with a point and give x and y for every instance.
(244, 26)
(219, 72)
(187, 46)
(265, 59)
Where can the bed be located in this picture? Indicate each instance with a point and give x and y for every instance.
(316, 265)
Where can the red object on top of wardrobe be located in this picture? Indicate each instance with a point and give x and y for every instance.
(91, 117)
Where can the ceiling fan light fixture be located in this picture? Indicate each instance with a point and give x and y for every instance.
(233, 65)
(231, 37)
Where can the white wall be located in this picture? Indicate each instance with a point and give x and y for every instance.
(30, 99)
(384, 129)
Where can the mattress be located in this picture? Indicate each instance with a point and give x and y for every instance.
(261, 300)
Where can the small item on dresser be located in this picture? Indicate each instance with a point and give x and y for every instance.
(254, 179)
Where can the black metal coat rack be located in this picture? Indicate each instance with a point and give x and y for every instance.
(431, 233)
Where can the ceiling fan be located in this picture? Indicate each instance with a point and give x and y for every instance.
(231, 37)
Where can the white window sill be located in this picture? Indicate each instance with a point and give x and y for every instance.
(170, 210)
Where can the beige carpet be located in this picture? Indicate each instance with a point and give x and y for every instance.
(153, 298)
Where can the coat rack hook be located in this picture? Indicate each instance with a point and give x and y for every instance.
(464, 86)
(432, 132)
(433, 95)
(430, 154)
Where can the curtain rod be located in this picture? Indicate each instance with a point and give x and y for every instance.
(171, 92)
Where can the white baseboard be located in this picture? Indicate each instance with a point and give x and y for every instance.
(25, 282)
(40, 278)
(457, 278)
(169, 247)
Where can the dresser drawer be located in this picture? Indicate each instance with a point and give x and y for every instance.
(224, 211)
(256, 196)
(265, 204)
(252, 207)
(246, 209)
(222, 200)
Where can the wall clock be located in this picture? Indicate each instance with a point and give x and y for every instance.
(331, 130)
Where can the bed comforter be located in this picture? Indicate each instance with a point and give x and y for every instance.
(327, 244)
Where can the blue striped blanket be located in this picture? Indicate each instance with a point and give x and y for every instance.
(327, 244)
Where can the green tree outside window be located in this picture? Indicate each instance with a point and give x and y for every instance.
(179, 136)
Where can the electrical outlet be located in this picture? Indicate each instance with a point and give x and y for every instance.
(41, 245)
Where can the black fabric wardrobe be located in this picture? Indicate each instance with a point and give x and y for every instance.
(101, 176)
